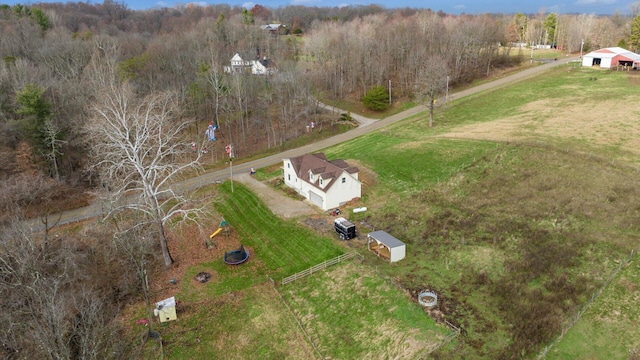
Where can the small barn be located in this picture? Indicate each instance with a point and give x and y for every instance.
(166, 310)
(386, 246)
(612, 57)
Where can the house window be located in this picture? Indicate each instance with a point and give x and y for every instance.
(344, 180)
(288, 165)
(289, 177)
(320, 181)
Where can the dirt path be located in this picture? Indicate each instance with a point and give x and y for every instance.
(362, 121)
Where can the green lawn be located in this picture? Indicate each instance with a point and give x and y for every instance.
(354, 313)
(279, 247)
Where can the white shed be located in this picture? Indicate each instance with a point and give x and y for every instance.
(386, 246)
(166, 310)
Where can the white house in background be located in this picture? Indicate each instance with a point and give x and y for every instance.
(326, 184)
(274, 28)
(611, 57)
(256, 67)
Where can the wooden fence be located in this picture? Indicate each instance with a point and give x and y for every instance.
(323, 265)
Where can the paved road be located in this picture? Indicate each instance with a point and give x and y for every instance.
(366, 126)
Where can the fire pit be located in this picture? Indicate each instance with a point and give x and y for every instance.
(203, 277)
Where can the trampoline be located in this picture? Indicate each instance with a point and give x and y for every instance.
(237, 256)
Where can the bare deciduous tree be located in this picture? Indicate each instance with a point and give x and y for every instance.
(50, 313)
(431, 81)
(137, 151)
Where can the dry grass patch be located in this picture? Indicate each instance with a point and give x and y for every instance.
(608, 122)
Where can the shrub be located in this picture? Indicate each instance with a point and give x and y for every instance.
(376, 98)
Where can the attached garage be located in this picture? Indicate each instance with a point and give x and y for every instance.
(316, 199)
(386, 246)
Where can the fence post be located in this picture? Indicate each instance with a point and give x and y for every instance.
(322, 265)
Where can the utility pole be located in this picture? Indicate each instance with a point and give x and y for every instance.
(532, 53)
(446, 94)
(229, 150)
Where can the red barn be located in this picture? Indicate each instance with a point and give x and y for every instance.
(612, 57)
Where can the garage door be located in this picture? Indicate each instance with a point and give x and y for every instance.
(315, 198)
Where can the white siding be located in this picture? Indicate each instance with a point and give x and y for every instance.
(337, 194)
(340, 192)
(397, 253)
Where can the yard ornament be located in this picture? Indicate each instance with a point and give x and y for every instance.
(211, 132)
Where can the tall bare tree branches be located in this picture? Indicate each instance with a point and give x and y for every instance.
(137, 151)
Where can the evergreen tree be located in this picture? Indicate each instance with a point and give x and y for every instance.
(634, 38)
(376, 98)
(550, 25)
(36, 110)
(38, 125)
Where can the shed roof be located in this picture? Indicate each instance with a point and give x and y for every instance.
(386, 239)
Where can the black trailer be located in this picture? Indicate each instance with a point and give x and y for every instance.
(345, 228)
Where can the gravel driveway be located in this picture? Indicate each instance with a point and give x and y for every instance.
(279, 203)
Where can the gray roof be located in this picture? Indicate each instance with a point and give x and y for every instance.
(386, 239)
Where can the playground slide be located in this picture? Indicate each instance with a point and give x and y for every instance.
(215, 233)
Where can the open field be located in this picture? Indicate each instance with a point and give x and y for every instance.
(353, 313)
(516, 207)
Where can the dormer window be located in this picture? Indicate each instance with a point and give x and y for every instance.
(320, 181)
(344, 180)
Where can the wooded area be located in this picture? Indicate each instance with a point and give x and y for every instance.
(60, 63)
(57, 57)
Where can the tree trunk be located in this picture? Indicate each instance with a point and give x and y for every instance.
(431, 106)
(168, 260)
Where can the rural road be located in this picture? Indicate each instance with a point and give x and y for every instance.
(366, 126)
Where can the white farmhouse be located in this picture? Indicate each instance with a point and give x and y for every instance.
(327, 184)
(256, 67)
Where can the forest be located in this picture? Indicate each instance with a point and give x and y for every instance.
(66, 66)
